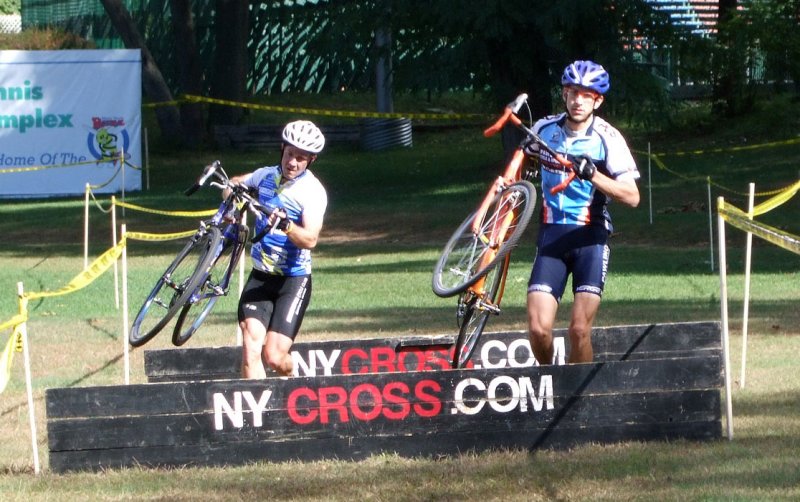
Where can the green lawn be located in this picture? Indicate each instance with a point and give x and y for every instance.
(389, 215)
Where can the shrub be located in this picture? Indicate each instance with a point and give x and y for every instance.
(43, 39)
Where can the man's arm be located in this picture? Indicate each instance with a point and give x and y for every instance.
(623, 189)
(306, 235)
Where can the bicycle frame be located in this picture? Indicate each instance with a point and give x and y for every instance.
(511, 175)
(229, 234)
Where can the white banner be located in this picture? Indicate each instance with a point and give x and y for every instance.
(65, 119)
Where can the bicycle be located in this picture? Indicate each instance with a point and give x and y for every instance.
(474, 262)
(201, 272)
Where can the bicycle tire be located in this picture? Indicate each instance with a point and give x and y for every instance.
(223, 260)
(475, 316)
(459, 265)
(168, 294)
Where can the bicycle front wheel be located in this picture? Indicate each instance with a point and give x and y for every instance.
(216, 274)
(468, 255)
(167, 295)
(476, 308)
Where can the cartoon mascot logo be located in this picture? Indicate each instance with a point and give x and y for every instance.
(108, 139)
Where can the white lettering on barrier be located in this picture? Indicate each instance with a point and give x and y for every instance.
(309, 366)
(521, 393)
(517, 354)
(235, 413)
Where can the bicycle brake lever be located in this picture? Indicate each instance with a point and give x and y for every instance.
(518, 102)
(207, 172)
(508, 114)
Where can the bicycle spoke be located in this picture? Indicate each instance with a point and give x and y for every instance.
(205, 295)
(469, 255)
(477, 306)
(168, 294)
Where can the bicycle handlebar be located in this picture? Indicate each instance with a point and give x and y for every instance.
(510, 114)
(240, 192)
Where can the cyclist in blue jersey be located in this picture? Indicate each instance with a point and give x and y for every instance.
(278, 291)
(576, 224)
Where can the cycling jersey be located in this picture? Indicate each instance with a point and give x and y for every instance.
(580, 203)
(275, 253)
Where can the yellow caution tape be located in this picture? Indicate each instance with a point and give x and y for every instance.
(17, 319)
(771, 144)
(7, 358)
(87, 276)
(656, 157)
(776, 201)
(141, 236)
(739, 219)
(332, 113)
(57, 166)
(191, 214)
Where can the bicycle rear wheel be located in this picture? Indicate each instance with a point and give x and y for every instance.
(476, 309)
(468, 255)
(168, 294)
(221, 263)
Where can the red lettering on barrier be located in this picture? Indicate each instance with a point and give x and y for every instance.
(404, 407)
(434, 404)
(386, 360)
(375, 400)
(332, 399)
(382, 357)
(294, 412)
(353, 353)
(440, 357)
(366, 402)
(401, 361)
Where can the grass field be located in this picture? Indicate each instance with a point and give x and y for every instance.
(389, 214)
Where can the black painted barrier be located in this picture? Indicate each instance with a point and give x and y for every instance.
(426, 353)
(673, 395)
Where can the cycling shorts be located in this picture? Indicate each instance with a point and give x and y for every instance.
(278, 301)
(580, 250)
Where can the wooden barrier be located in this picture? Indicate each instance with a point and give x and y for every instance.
(345, 413)
(421, 353)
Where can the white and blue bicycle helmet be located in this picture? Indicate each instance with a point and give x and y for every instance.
(586, 74)
(304, 135)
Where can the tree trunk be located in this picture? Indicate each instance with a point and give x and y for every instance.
(229, 74)
(153, 83)
(729, 89)
(189, 73)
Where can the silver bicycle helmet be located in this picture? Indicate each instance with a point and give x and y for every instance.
(304, 135)
(587, 74)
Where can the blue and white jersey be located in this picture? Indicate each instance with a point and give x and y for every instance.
(581, 203)
(275, 253)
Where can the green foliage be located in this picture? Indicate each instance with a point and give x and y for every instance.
(9, 6)
(774, 27)
(43, 39)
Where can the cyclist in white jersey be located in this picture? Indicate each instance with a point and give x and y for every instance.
(278, 291)
(573, 235)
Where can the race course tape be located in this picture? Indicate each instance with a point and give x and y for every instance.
(739, 219)
(13, 322)
(331, 113)
(656, 157)
(94, 270)
(771, 144)
(783, 196)
(87, 276)
(141, 236)
(9, 170)
(191, 214)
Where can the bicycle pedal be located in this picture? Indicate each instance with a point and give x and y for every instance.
(490, 307)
